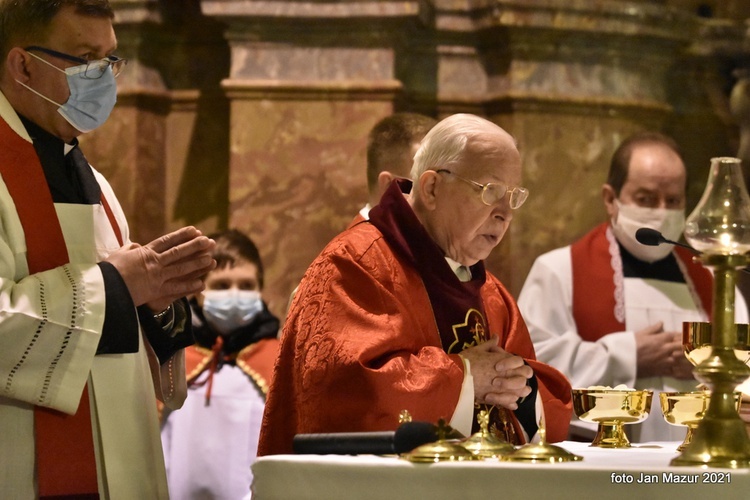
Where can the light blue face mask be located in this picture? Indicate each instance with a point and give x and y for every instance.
(228, 310)
(91, 99)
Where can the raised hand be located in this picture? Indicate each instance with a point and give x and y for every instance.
(165, 269)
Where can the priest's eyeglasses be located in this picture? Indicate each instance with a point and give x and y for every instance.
(492, 192)
(93, 69)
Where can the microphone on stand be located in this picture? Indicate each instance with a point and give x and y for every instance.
(408, 436)
(653, 238)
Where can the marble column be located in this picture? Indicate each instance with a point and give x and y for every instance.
(254, 114)
(306, 84)
(165, 148)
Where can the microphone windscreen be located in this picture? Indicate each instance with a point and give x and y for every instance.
(648, 236)
(345, 443)
(409, 435)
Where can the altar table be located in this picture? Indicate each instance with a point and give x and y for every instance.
(641, 472)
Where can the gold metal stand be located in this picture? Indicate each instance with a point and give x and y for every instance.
(721, 439)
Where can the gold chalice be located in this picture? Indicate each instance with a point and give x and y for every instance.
(611, 409)
(696, 342)
(687, 409)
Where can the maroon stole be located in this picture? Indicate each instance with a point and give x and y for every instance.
(65, 460)
(594, 301)
(457, 307)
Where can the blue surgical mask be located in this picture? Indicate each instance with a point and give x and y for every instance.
(91, 99)
(228, 310)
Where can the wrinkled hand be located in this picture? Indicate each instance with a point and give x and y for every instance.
(166, 269)
(499, 377)
(682, 368)
(657, 353)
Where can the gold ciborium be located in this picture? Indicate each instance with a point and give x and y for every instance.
(611, 409)
(696, 342)
(687, 409)
(719, 227)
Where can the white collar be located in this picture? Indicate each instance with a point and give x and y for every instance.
(365, 212)
(461, 271)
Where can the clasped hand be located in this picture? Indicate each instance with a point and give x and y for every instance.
(170, 267)
(500, 378)
(660, 353)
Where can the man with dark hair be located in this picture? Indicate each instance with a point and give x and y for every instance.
(608, 310)
(92, 325)
(391, 146)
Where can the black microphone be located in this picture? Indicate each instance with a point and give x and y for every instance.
(408, 436)
(652, 238)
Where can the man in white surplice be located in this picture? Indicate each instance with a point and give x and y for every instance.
(92, 326)
(608, 310)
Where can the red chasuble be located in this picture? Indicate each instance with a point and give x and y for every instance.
(598, 304)
(364, 339)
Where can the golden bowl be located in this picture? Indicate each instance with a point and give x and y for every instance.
(611, 409)
(696, 342)
(687, 409)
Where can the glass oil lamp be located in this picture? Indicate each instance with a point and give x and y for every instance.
(720, 228)
(720, 223)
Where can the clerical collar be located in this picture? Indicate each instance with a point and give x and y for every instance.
(68, 174)
(665, 269)
(365, 211)
(462, 272)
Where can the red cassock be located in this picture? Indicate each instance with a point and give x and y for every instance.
(362, 340)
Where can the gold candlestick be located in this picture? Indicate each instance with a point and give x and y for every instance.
(720, 228)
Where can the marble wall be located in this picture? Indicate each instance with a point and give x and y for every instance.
(253, 114)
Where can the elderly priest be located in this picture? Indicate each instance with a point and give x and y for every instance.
(398, 312)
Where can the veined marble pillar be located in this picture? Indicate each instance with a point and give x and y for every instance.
(165, 146)
(306, 84)
(254, 114)
(569, 80)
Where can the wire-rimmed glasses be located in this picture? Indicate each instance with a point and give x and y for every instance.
(492, 192)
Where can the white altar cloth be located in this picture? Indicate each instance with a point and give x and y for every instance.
(642, 472)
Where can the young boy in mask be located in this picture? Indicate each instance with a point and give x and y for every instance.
(211, 442)
(608, 310)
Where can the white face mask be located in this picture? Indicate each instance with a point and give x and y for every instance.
(91, 99)
(669, 222)
(228, 310)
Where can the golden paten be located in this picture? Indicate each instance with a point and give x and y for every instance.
(442, 450)
(542, 452)
(611, 409)
(483, 444)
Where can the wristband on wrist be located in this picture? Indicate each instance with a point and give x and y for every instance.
(160, 318)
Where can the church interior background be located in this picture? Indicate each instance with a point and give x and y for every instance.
(254, 114)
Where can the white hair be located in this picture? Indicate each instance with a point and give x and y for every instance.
(445, 144)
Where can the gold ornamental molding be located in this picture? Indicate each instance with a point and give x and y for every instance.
(602, 106)
(370, 90)
(595, 16)
(309, 9)
(158, 101)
